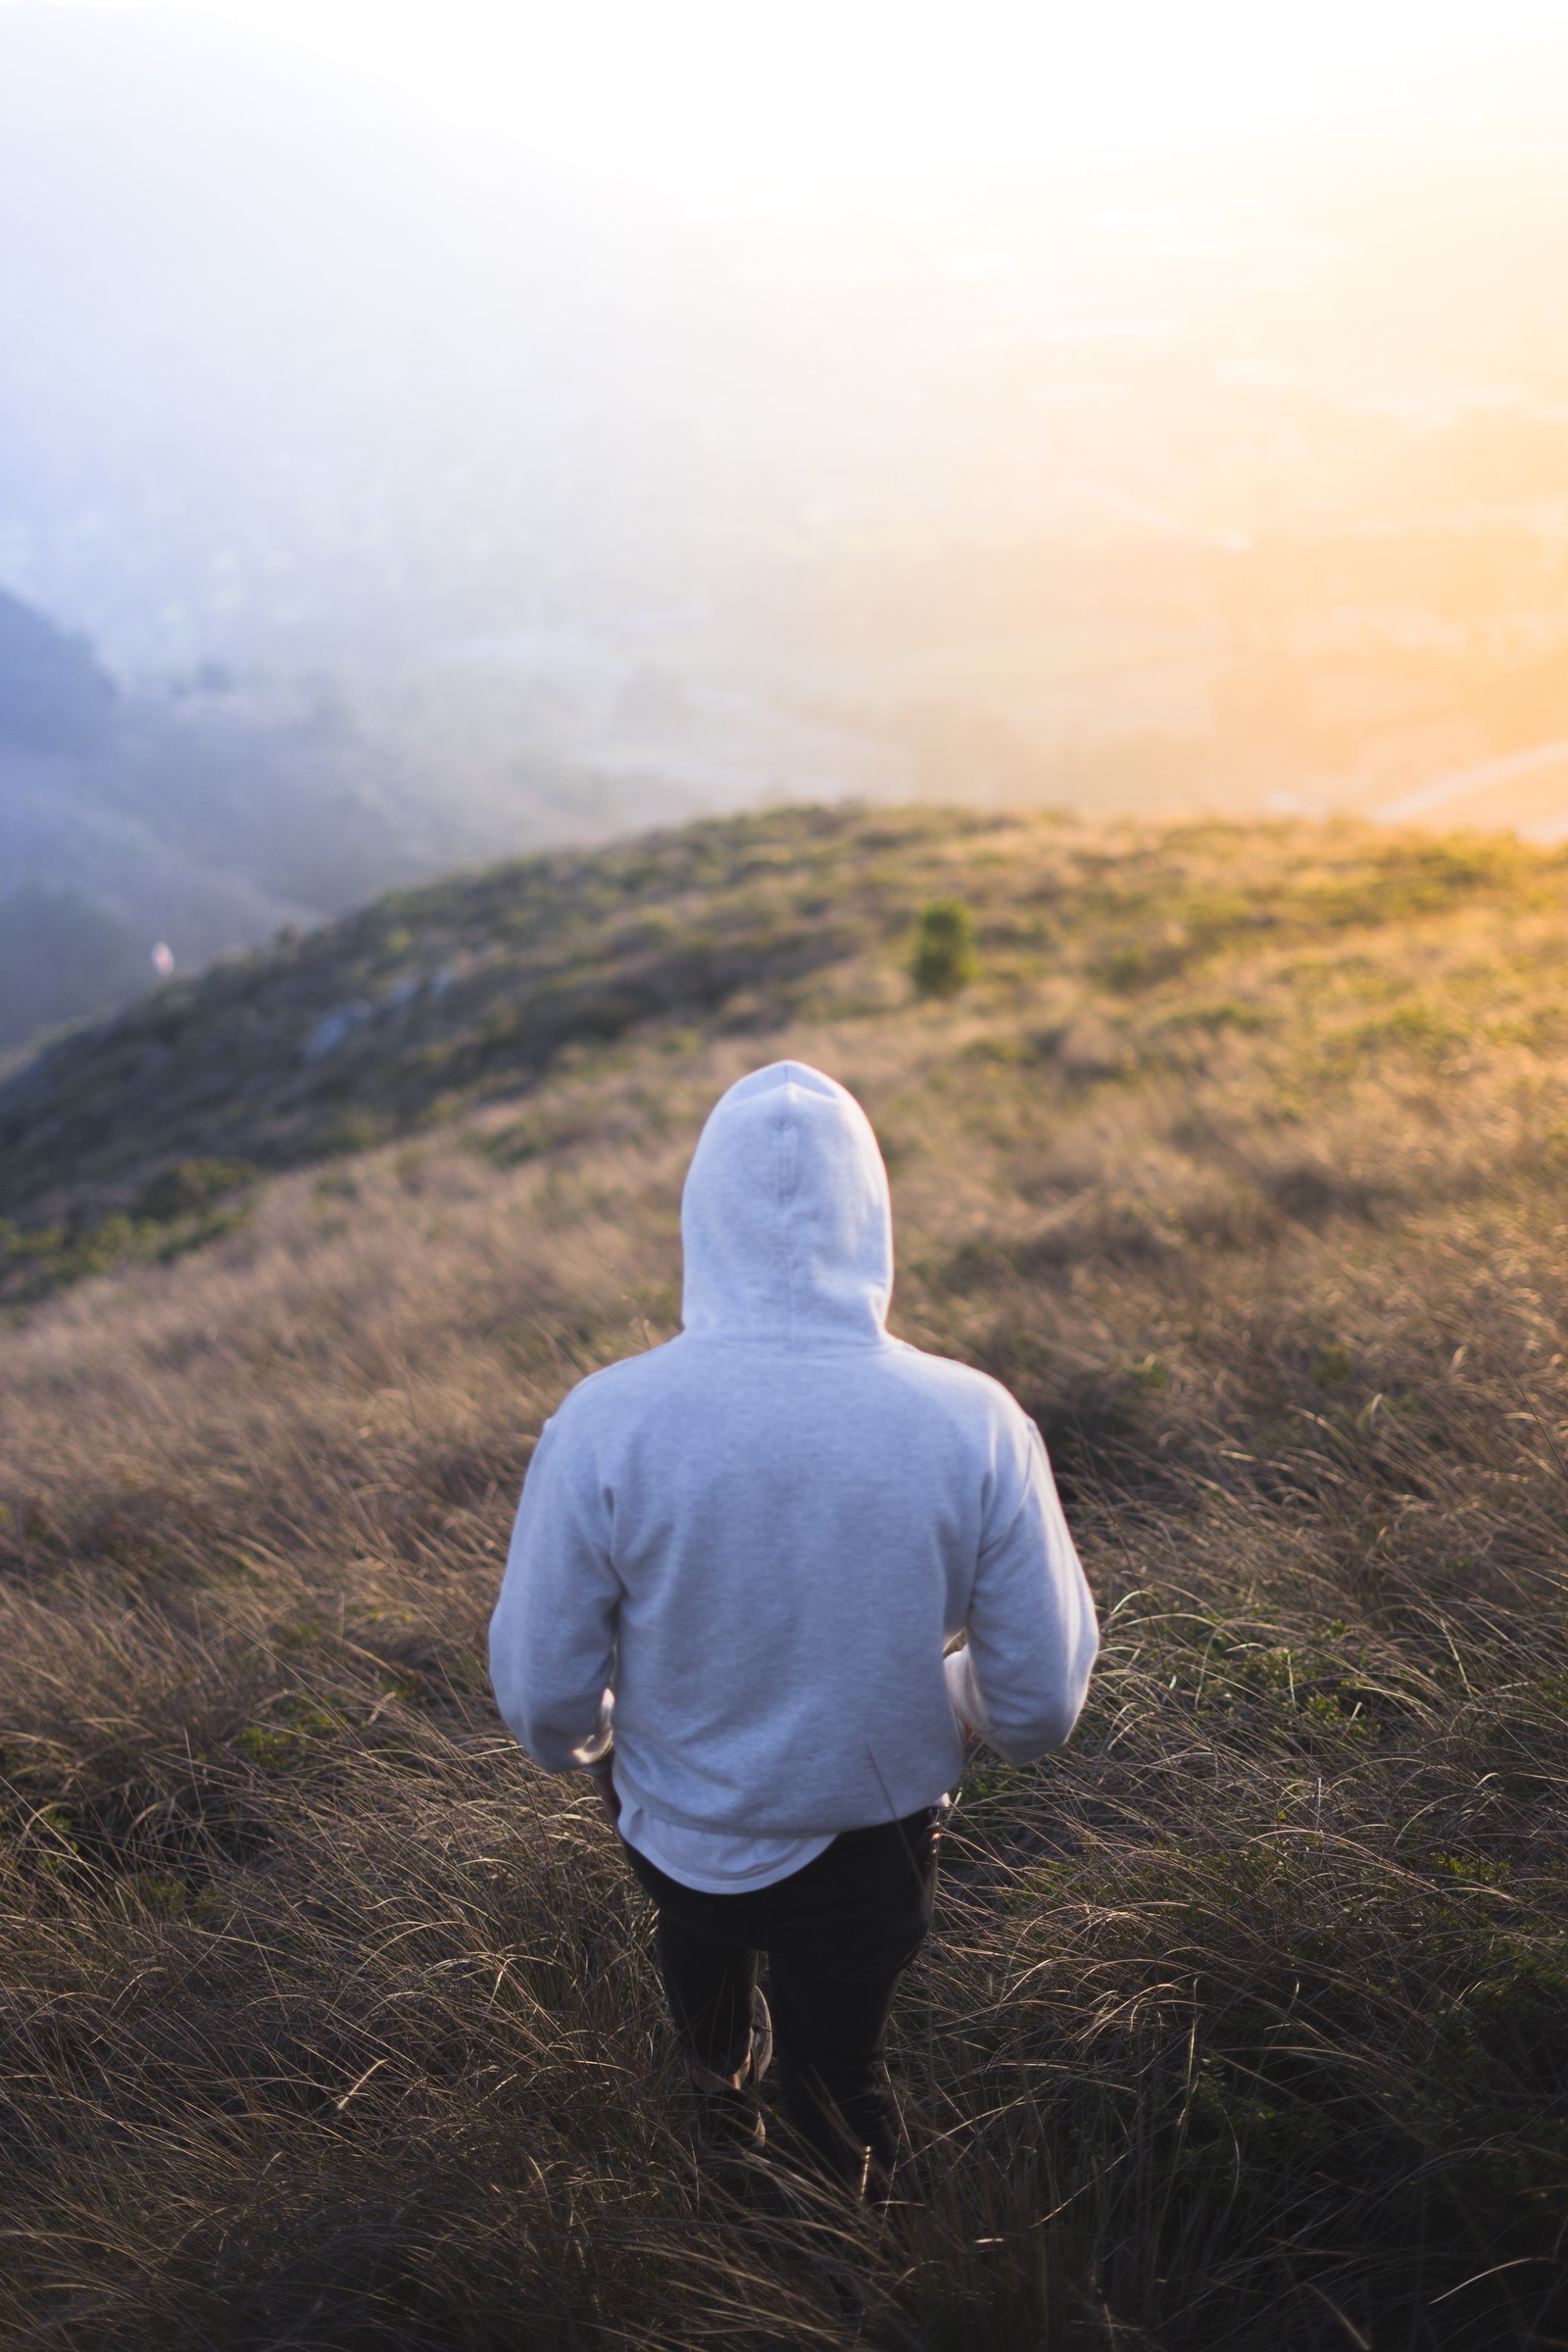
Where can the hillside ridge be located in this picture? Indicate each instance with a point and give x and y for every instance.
(431, 999)
(1242, 1159)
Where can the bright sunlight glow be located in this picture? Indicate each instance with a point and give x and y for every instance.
(704, 90)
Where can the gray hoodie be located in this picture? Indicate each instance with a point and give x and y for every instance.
(761, 1535)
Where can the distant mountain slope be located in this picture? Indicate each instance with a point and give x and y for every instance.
(54, 696)
(62, 955)
(206, 820)
(215, 811)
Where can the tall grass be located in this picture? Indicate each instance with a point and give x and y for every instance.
(330, 2023)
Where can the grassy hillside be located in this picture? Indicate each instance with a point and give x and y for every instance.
(1245, 1160)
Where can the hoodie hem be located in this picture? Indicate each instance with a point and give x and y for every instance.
(894, 1805)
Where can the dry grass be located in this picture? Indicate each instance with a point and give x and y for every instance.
(330, 2023)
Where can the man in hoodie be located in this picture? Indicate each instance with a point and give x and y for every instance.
(738, 1564)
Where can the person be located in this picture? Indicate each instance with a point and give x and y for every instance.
(740, 1563)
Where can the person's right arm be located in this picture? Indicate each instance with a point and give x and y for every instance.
(1022, 1680)
(553, 1634)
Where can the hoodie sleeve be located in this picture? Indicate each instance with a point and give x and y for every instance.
(1033, 1636)
(553, 1634)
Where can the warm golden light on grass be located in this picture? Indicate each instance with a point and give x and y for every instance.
(1242, 1159)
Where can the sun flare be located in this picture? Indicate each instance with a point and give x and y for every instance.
(698, 89)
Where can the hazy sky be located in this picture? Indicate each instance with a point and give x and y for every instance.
(706, 90)
(299, 321)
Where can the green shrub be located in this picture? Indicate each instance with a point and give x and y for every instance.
(944, 960)
(192, 1184)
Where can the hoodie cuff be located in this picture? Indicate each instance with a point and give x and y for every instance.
(964, 1691)
(596, 1751)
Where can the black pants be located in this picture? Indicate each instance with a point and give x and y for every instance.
(838, 1934)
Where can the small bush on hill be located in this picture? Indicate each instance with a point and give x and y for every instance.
(192, 1184)
(944, 960)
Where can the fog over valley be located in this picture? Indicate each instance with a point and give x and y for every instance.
(404, 498)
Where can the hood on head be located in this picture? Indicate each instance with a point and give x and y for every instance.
(785, 1219)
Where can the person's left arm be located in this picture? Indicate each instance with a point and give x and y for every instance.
(553, 1634)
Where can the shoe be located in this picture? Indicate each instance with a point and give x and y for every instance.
(729, 2122)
